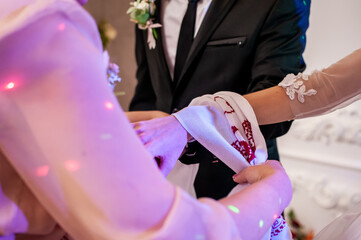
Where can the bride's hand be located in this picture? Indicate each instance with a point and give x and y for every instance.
(164, 138)
(270, 172)
(256, 173)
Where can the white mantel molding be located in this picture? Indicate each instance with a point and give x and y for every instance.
(325, 193)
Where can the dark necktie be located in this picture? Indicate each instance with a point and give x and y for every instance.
(185, 38)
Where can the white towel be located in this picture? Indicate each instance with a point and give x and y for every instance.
(226, 125)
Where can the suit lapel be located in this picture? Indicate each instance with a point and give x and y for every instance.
(158, 52)
(215, 14)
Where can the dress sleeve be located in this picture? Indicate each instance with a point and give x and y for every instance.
(325, 91)
(66, 136)
(63, 131)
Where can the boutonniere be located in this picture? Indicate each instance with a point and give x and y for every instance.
(142, 13)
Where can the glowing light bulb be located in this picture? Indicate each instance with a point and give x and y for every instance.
(42, 171)
(72, 166)
(61, 27)
(233, 209)
(109, 105)
(261, 223)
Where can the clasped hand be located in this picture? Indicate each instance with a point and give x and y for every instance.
(163, 137)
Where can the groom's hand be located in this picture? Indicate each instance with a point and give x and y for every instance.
(164, 138)
(137, 116)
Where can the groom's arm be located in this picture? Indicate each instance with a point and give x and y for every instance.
(279, 52)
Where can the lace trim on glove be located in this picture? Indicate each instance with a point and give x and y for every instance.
(294, 84)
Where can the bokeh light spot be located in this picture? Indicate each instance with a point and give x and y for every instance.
(109, 105)
(233, 208)
(261, 223)
(61, 27)
(72, 165)
(10, 85)
(106, 136)
(275, 216)
(42, 171)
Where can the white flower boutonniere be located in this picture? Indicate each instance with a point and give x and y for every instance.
(142, 12)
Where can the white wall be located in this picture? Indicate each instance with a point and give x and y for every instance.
(334, 32)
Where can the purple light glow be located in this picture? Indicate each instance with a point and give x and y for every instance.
(106, 136)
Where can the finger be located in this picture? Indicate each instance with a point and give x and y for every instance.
(144, 137)
(240, 177)
(136, 126)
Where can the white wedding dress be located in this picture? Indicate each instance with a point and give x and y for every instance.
(68, 154)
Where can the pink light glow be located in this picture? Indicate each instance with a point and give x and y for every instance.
(10, 85)
(109, 105)
(12, 81)
(42, 171)
(61, 27)
(275, 216)
(72, 166)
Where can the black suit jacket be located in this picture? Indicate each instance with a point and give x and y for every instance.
(242, 46)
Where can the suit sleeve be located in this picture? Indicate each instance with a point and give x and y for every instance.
(279, 52)
(144, 97)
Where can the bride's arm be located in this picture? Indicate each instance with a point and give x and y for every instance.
(336, 86)
(64, 133)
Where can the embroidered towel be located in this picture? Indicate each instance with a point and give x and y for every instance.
(226, 125)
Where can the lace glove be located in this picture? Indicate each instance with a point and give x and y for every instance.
(332, 88)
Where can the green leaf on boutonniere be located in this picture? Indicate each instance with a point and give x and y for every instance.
(155, 33)
(143, 18)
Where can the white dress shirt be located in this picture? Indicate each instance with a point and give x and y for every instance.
(172, 13)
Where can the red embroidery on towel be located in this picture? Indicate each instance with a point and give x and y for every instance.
(278, 226)
(231, 110)
(234, 129)
(249, 134)
(244, 148)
